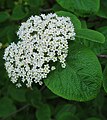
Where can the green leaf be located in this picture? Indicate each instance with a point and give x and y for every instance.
(34, 6)
(43, 113)
(103, 9)
(18, 13)
(103, 30)
(17, 94)
(67, 116)
(105, 78)
(34, 97)
(9, 4)
(35, 3)
(3, 16)
(80, 7)
(74, 19)
(6, 107)
(47, 94)
(81, 79)
(56, 7)
(83, 24)
(98, 48)
(90, 35)
(11, 33)
(65, 108)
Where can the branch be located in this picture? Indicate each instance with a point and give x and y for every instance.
(46, 10)
(102, 56)
(16, 111)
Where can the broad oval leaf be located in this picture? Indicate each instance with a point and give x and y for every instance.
(35, 3)
(6, 107)
(56, 7)
(65, 108)
(81, 79)
(4, 16)
(98, 48)
(103, 9)
(34, 97)
(18, 13)
(74, 19)
(43, 113)
(17, 94)
(80, 7)
(91, 35)
(67, 116)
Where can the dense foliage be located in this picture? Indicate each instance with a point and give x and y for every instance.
(76, 92)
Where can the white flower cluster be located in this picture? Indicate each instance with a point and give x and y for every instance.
(44, 40)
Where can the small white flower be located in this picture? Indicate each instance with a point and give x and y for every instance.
(53, 68)
(43, 39)
(18, 85)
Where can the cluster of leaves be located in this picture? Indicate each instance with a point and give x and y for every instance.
(83, 79)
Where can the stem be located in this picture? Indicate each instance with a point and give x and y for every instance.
(16, 111)
(46, 10)
(102, 56)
